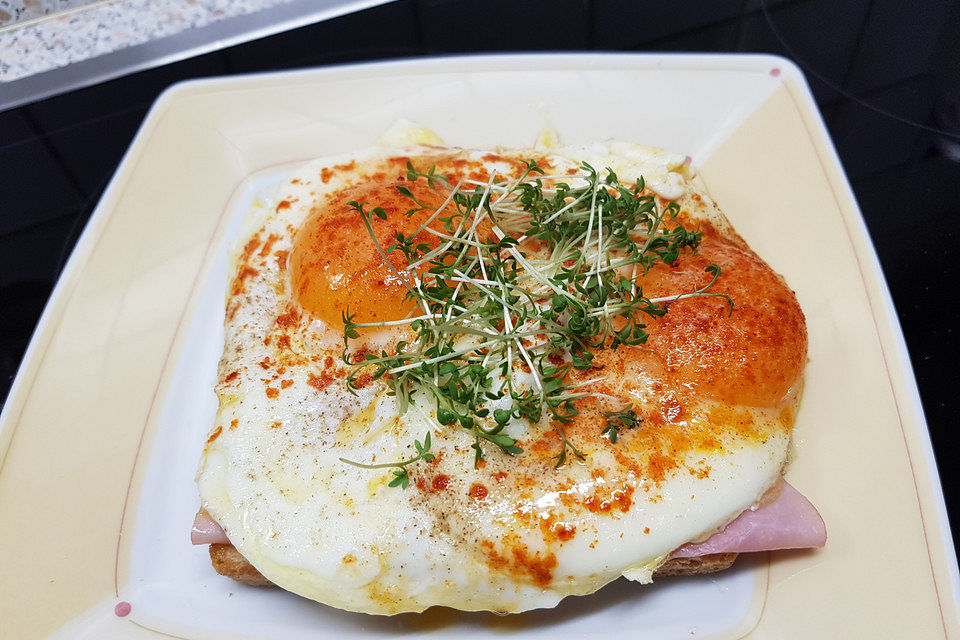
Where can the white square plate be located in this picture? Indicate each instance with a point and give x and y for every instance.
(115, 395)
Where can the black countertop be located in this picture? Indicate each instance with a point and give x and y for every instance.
(886, 76)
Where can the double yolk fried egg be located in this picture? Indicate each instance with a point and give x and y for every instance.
(714, 390)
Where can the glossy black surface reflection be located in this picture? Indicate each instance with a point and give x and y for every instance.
(886, 76)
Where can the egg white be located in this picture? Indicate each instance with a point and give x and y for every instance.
(337, 534)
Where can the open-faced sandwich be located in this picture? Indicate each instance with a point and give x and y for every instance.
(490, 379)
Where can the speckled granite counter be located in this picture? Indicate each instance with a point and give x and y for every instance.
(19, 11)
(51, 46)
(107, 27)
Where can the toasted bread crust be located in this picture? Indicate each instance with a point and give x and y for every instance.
(695, 566)
(228, 562)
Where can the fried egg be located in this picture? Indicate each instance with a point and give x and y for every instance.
(716, 391)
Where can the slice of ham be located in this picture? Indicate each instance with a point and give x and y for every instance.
(206, 530)
(789, 522)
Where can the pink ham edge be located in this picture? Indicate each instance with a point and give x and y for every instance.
(789, 522)
(206, 530)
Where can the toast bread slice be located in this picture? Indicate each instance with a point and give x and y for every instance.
(227, 561)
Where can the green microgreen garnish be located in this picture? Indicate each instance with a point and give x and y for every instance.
(502, 320)
(401, 477)
(617, 420)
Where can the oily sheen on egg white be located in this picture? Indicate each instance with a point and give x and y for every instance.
(515, 533)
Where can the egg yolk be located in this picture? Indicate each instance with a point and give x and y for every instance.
(335, 266)
(751, 355)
